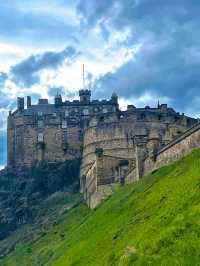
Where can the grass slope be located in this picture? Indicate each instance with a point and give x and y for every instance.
(153, 222)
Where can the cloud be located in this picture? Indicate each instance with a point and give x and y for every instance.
(168, 60)
(26, 73)
(52, 91)
(38, 23)
(4, 97)
(66, 93)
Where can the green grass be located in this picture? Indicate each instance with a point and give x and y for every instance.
(153, 222)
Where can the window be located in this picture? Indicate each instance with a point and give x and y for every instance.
(105, 110)
(66, 113)
(40, 123)
(85, 111)
(64, 124)
(101, 119)
(40, 113)
(40, 137)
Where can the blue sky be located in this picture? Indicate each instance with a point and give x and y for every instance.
(144, 50)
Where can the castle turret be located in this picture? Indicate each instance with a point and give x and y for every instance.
(20, 104)
(85, 95)
(114, 98)
(162, 107)
(58, 100)
(28, 101)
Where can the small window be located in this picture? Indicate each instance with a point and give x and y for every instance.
(66, 113)
(101, 119)
(105, 110)
(85, 111)
(54, 114)
(40, 113)
(96, 109)
(64, 124)
(40, 137)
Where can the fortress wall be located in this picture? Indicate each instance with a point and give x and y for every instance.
(58, 145)
(116, 139)
(175, 150)
(113, 138)
(30, 143)
(10, 146)
(53, 144)
(61, 144)
(120, 143)
(100, 176)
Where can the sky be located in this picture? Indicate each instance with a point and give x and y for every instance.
(144, 50)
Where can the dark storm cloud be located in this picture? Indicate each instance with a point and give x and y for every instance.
(174, 78)
(26, 73)
(168, 63)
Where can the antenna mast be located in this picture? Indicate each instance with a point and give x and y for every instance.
(83, 77)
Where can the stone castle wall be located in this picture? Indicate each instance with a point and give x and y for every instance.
(123, 137)
(28, 143)
(51, 132)
(174, 150)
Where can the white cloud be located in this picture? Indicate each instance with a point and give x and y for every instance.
(2, 167)
(11, 54)
(65, 14)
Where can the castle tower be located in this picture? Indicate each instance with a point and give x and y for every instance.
(58, 100)
(20, 104)
(85, 96)
(28, 101)
(114, 98)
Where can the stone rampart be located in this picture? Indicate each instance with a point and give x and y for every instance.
(174, 150)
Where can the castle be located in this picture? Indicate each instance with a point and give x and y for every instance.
(114, 146)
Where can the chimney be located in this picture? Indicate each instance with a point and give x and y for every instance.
(20, 103)
(28, 101)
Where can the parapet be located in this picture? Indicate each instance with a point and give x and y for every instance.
(43, 101)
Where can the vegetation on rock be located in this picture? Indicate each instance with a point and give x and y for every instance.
(23, 190)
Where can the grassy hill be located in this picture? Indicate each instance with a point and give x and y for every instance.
(153, 222)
